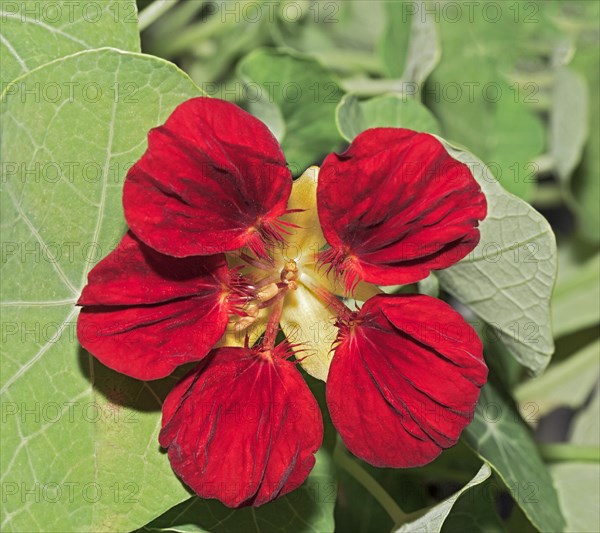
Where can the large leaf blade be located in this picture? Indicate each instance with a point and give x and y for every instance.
(92, 437)
(60, 29)
(508, 279)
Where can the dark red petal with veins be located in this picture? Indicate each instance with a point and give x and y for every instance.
(395, 205)
(213, 179)
(242, 428)
(415, 369)
(146, 313)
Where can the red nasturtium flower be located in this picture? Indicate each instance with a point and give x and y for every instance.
(224, 242)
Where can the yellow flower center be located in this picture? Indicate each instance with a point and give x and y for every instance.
(292, 292)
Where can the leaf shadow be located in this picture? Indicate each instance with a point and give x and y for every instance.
(118, 390)
(308, 508)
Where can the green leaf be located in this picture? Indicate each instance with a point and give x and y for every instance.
(565, 384)
(504, 135)
(585, 429)
(370, 515)
(409, 49)
(80, 431)
(433, 520)
(307, 509)
(499, 436)
(475, 512)
(410, 46)
(341, 35)
(270, 114)
(508, 279)
(569, 123)
(575, 299)
(390, 110)
(478, 105)
(430, 285)
(578, 486)
(35, 32)
(306, 94)
(586, 180)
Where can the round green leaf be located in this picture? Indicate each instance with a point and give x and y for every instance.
(306, 94)
(390, 110)
(507, 279)
(80, 436)
(35, 32)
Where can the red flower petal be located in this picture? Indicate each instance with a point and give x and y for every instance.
(146, 313)
(395, 205)
(213, 179)
(242, 427)
(415, 368)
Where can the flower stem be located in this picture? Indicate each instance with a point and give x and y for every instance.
(569, 452)
(343, 460)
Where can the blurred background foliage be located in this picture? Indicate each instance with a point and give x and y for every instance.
(514, 82)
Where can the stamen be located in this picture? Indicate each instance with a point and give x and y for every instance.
(279, 296)
(266, 293)
(272, 329)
